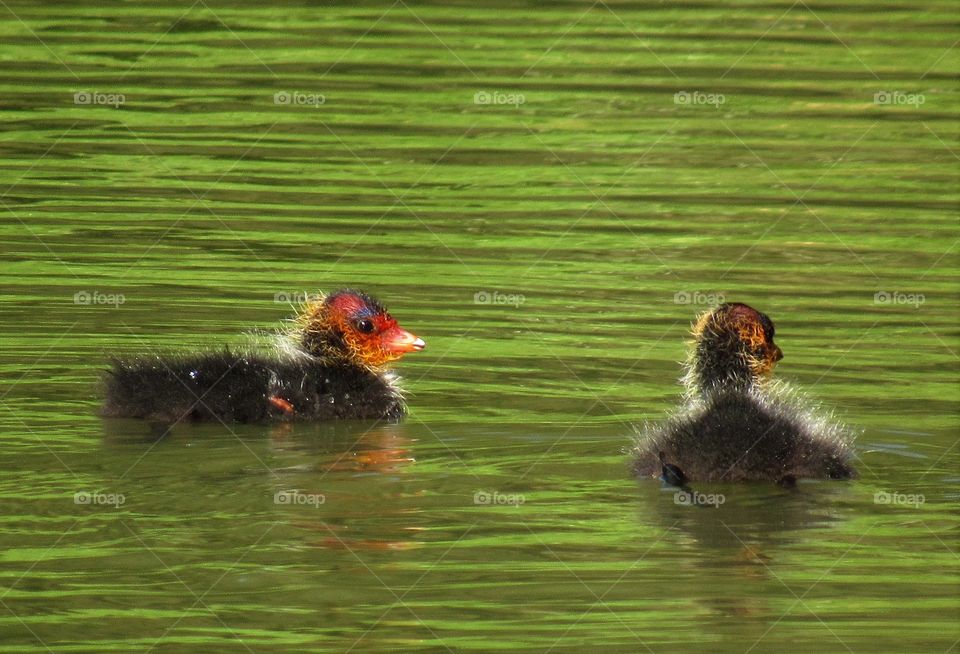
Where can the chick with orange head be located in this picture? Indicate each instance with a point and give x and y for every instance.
(353, 327)
(738, 424)
(733, 347)
(333, 364)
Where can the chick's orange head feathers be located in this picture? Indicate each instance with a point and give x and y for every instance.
(751, 330)
(360, 327)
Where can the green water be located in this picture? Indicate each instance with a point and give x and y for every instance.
(602, 208)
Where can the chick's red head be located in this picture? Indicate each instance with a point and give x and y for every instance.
(747, 331)
(733, 347)
(353, 325)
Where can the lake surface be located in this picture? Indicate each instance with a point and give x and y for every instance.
(547, 194)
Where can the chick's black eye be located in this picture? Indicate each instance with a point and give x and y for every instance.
(365, 326)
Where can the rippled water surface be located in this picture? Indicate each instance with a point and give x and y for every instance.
(548, 193)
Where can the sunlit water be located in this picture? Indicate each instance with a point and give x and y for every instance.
(546, 194)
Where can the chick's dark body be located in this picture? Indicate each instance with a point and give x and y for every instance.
(737, 436)
(246, 387)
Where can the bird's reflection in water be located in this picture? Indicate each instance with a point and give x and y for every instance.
(341, 461)
(382, 448)
(739, 533)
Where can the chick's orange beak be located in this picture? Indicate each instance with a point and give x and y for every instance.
(400, 341)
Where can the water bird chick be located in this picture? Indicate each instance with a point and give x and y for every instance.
(331, 365)
(737, 423)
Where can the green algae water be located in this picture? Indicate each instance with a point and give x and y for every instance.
(547, 193)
